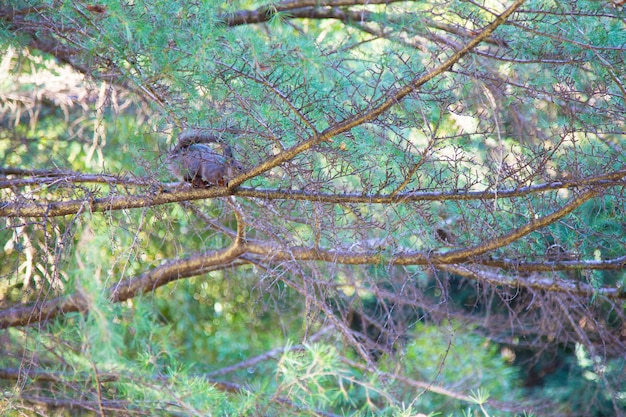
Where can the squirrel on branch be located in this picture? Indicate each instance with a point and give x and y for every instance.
(193, 161)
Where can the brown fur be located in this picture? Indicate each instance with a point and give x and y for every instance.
(194, 161)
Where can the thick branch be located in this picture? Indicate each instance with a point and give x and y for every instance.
(304, 7)
(166, 196)
(23, 315)
(148, 281)
(462, 255)
(63, 208)
(564, 265)
(420, 258)
(537, 282)
(175, 270)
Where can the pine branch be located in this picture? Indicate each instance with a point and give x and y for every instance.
(377, 109)
(164, 195)
(269, 252)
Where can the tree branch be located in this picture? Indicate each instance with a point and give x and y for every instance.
(120, 406)
(537, 282)
(149, 281)
(393, 98)
(462, 255)
(270, 252)
(164, 195)
(296, 8)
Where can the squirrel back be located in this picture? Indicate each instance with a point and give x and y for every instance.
(193, 161)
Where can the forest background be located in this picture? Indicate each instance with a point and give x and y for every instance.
(430, 219)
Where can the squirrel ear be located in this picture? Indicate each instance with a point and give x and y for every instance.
(228, 151)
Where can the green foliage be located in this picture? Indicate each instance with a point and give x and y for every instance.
(587, 385)
(541, 101)
(455, 357)
(438, 357)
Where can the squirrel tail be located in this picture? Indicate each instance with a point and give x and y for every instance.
(190, 136)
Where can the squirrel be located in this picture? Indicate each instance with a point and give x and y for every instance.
(193, 161)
